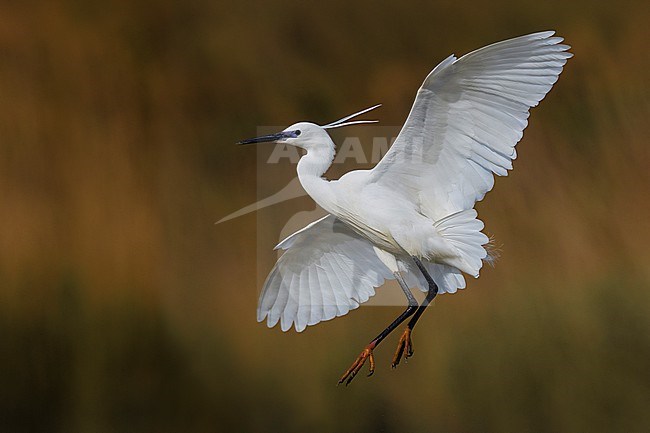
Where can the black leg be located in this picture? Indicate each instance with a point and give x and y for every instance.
(431, 294)
(410, 310)
(405, 346)
(367, 352)
(390, 328)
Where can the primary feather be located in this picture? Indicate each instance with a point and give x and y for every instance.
(466, 120)
(326, 271)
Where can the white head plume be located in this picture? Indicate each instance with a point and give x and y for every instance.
(343, 122)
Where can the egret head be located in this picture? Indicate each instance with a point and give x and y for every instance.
(308, 135)
(301, 134)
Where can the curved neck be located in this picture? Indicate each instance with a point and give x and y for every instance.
(311, 168)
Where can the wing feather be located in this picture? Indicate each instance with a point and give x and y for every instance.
(325, 271)
(466, 120)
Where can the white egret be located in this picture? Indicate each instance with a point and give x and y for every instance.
(412, 216)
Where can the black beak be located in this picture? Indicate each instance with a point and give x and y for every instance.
(264, 138)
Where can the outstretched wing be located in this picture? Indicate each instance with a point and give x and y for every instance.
(466, 120)
(326, 271)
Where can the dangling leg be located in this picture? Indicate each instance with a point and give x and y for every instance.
(367, 352)
(405, 346)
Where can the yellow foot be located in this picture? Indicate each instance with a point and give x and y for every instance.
(356, 365)
(404, 347)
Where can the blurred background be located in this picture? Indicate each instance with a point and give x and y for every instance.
(124, 308)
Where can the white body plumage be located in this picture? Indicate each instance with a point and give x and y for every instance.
(418, 201)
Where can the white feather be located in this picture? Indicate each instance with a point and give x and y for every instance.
(326, 270)
(467, 117)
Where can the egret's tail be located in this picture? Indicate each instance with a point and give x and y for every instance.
(462, 230)
(447, 278)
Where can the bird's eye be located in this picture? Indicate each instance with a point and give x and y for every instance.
(297, 132)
